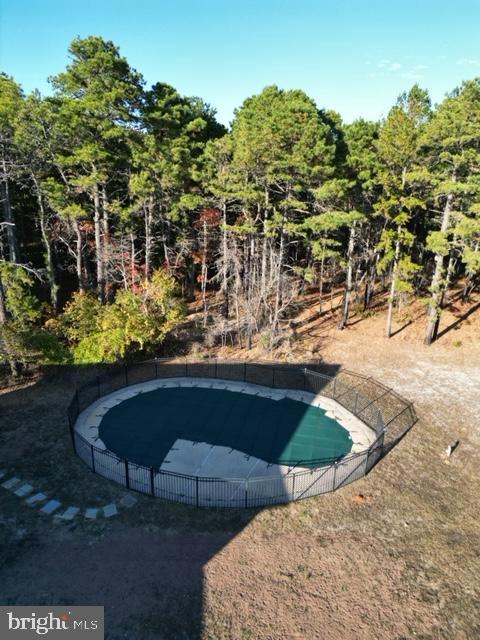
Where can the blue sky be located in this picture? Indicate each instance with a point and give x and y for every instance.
(354, 56)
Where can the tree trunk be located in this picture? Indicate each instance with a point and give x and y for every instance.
(204, 273)
(263, 269)
(78, 256)
(8, 217)
(132, 260)
(225, 264)
(50, 269)
(348, 284)
(370, 283)
(278, 292)
(165, 235)
(391, 298)
(333, 267)
(105, 240)
(98, 244)
(148, 236)
(436, 287)
(123, 254)
(237, 289)
(190, 280)
(320, 286)
(3, 310)
(471, 280)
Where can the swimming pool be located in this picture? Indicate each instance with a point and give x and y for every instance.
(231, 434)
(277, 430)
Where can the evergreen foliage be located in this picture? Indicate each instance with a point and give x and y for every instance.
(116, 196)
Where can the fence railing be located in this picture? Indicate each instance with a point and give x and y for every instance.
(388, 414)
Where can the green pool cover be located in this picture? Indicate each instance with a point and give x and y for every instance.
(143, 429)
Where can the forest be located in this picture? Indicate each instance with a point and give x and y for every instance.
(122, 203)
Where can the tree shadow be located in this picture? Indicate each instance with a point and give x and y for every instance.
(402, 328)
(458, 321)
(150, 579)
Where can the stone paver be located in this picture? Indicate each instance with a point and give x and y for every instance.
(91, 514)
(128, 501)
(70, 513)
(110, 510)
(35, 499)
(9, 484)
(51, 506)
(24, 490)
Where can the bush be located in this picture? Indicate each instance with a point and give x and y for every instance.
(135, 321)
(22, 340)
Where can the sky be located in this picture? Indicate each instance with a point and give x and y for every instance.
(353, 56)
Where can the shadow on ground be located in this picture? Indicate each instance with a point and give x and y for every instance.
(149, 579)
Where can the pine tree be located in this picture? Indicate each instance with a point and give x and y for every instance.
(402, 190)
(11, 97)
(451, 144)
(100, 95)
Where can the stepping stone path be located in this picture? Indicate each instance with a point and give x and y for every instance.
(110, 510)
(128, 501)
(35, 499)
(24, 490)
(70, 513)
(51, 506)
(9, 484)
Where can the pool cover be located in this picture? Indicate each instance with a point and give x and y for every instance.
(144, 428)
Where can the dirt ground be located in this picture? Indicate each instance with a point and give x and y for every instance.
(402, 563)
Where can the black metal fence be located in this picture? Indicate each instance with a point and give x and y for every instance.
(388, 414)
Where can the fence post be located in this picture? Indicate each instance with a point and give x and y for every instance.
(127, 476)
(196, 491)
(72, 432)
(367, 462)
(93, 457)
(152, 481)
(356, 403)
(74, 444)
(380, 424)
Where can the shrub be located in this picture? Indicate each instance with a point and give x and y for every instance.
(22, 340)
(135, 321)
